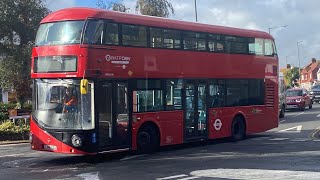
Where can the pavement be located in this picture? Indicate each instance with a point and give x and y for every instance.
(13, 142)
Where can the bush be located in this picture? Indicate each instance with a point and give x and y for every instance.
(10, 131)
(9, 126)
(4, 115)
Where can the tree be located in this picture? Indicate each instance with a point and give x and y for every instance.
(161, 8)
(114, 6)
(291, 76)
(19, 20)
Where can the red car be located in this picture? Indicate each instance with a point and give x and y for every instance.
(298, 99)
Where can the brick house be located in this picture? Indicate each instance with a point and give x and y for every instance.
(309, 74)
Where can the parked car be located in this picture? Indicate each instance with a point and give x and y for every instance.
(298, 99)
(315, 93)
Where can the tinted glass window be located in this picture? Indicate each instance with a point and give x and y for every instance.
(94, 32)
(237, 92)
(194, 41)
(215, 43)
(237, 45)
(256, 92)
(164, 38)
(217, 93)
(133, 35)
(148, 96)
(112, 34)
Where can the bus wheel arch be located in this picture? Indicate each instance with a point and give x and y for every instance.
(148, 137)
(238, 127)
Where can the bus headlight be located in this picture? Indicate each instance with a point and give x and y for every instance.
(76, 140)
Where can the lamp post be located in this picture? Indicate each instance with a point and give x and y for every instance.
(276, 27)
(299, 54)
(195, 9)
(299, 61)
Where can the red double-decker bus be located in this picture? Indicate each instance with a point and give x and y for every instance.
(108, 81)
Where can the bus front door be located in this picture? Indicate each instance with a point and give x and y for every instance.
(195, 110)
(113, 115)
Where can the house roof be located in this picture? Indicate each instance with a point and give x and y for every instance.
(310, 67)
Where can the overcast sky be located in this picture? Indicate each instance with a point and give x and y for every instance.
(301, 17)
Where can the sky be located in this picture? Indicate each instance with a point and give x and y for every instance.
(301, 19)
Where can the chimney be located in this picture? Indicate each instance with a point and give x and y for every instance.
(313, 60)
(288, 66)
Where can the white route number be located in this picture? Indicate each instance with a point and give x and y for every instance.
(217, 124)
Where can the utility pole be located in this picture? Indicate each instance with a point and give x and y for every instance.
(195, 9)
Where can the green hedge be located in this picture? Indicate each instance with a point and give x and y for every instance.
(11, 131)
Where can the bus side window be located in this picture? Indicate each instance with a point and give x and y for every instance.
(112, 34)
(94, 32)
(217, 93)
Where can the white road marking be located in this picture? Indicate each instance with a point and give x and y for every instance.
(173, 177)
(298, 114)
(300, 139)
(89, 176)
(296, 129)
(282, 121)
(279, 139)
(318, 115)
(188, 178)
(132, 157)
(255, 174)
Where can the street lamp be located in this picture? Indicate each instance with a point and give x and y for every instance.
(299, 54)
(195, 9)
(276, 27)
(299, 61)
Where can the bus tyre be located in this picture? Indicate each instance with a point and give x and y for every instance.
(238, 129)
(148, 139)
(282, 112)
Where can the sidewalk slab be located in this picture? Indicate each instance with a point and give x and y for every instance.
(13, 142)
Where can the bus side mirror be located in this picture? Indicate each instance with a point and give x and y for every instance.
(84, 86)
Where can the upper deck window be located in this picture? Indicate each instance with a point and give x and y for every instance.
(256, 46)
(100, 32)
(57, 33)
(194, 41)
(94, 32)
(133, 35)
(165, 38)
(237, 45)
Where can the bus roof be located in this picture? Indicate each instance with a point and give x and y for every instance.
(84, 13)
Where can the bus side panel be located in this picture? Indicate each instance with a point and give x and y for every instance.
(223, 129)
(170, 124)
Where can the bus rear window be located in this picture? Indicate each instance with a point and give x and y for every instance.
(49, 64)
(57, 33)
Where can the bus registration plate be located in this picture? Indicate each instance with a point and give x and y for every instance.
(49, 147)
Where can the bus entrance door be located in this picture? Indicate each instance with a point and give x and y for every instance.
(113, 116)
(195, 110)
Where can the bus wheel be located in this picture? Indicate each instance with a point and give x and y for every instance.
(148, 139)
(238, 129)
